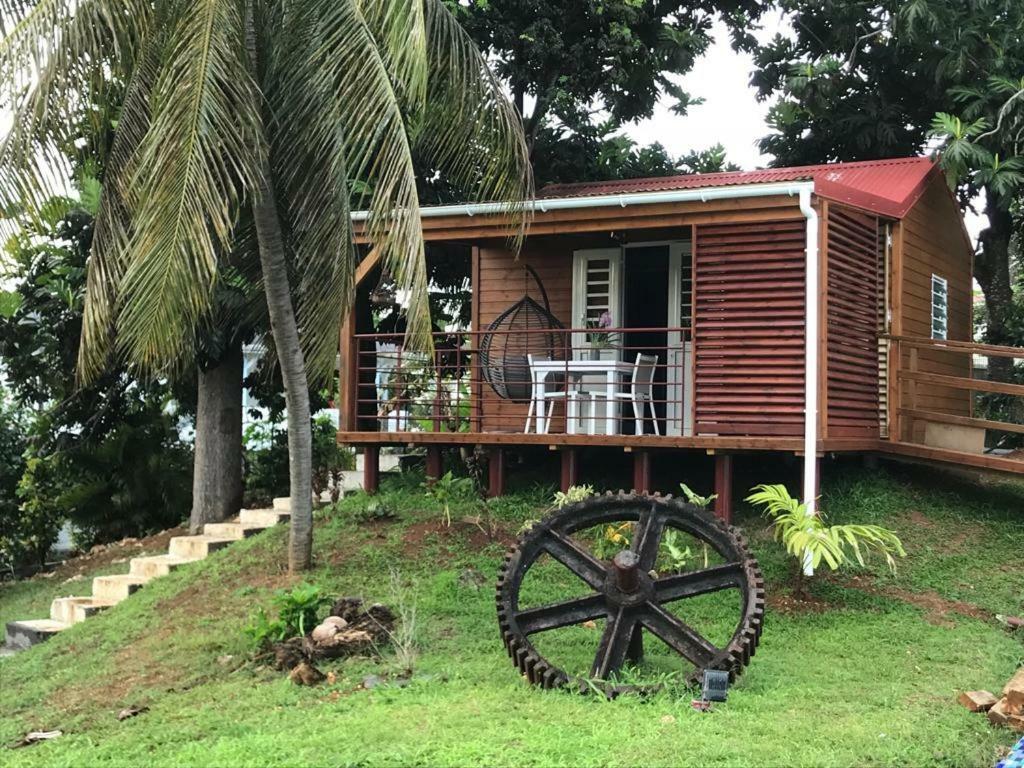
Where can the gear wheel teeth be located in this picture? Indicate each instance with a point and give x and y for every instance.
(597, 510)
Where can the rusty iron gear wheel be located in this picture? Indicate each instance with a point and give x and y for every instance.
(627, 594)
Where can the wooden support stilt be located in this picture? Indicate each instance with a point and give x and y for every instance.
(642, 471)
(435, 463)
(570, 468)
(496, 473)
(371, 468)
(723, 486)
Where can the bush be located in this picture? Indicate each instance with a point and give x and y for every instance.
(266, 461)
(135, 481)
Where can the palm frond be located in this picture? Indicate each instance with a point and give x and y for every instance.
(399, 30)
(308, 155)
(56, 59)
(113, 232)
(377, 150)
(195, 161)
(471, 132)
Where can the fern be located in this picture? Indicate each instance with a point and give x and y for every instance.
(806, 535)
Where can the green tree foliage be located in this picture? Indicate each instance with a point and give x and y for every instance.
(579, 70)
(264, 112)
(862, 80)
(106, 457)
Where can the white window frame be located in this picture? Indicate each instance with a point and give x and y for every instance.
(939, 315)
(581, 261)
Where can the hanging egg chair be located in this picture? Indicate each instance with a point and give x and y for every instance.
(525, 328)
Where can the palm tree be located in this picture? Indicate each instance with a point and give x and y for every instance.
(258, 111)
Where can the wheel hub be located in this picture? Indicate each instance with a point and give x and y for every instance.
(626, 584)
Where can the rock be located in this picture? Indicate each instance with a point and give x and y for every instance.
(306, 674)
(371, 681)
(1013, 693)
(977, 701)
(324, 632)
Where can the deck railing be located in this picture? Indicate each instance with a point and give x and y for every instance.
(911, 384)
(583, 381)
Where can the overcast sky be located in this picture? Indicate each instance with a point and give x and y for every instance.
(730, 114)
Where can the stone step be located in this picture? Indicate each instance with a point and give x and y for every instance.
(263, 517)
(25, 634)
(156, 565)
(197, 547)
(283, 503)
(71, 610)
(114, 589)
(232, 530)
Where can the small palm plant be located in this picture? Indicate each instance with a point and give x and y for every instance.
(808, 539)
(446, 489)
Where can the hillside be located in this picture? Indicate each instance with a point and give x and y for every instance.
(866, 672)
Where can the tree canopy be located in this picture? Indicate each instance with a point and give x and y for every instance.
(863, 80)
(579, 70)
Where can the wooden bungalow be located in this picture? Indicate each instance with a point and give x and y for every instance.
(806, 310)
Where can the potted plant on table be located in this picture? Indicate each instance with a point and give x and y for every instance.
(598, 336)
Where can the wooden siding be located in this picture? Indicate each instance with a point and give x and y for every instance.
(852, 323)
(932, 242)
(749, 328)
(502, 280)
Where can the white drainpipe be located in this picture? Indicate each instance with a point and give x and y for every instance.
(810, 363)
(802, 188)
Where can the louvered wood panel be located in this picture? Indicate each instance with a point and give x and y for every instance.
(749, 328)
(853, 323)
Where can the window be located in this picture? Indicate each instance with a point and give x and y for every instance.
(940, 307)
(597, 289)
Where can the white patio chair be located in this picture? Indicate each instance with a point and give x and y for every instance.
(640, 392)
(542, 426)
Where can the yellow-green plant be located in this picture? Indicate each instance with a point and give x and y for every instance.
(695, 498)
(808, 536)
(574, 494)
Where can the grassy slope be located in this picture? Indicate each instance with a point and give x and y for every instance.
(870, 681)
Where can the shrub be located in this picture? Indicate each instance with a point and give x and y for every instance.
(807, 536)
(298, 610)
(574, 494)
(266, 461)
(448, 489)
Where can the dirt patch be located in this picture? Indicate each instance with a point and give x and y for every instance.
(420, 536)
(937, 609)
(114, 553)
(920, 519)
(790, 605)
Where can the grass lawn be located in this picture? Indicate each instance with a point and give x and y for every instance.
(865, 674)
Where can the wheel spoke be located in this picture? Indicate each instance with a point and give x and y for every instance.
(563, 614)
(615, 640)
(683, 639)
(700, 582)
(647, 538)
(576, 559)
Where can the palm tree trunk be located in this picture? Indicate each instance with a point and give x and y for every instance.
(293, 371)
(217, 474)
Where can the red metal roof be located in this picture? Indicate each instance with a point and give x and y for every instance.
(887, 187)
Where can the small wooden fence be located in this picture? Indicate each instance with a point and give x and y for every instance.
(910, 381)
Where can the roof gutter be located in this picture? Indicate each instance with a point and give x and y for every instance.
(543, 205)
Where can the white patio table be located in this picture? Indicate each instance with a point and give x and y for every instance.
(541, 370)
